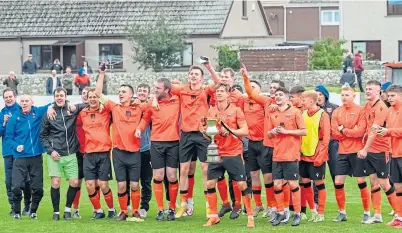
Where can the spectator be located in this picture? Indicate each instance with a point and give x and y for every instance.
(348, 62)
(52, 83)
(57, 66)
(384, 95)
(349, 78)
(12, 82)
(82, 80)
(87, 68)
(68, 81)
(358, 67)
(29, 66)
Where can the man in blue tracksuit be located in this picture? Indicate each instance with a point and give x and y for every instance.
(22, 136)
(11, 109)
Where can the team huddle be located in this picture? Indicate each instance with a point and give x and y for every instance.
(288, 137)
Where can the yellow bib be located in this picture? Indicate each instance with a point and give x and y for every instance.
(310, 142)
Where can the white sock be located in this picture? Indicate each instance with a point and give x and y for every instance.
(112, 209)
(77, 210)
(367, 212)
(56, 212)
(99, 211)
(286, 209)
(342, 212)
(66, 209)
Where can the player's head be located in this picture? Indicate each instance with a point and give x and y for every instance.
(84, 95)
(9, 96)
(195, 75)
(295, 95)
(373, 89)
(222, 92)
(60, 95)
(323, 95)
(275, 84)
(143, 91)
(126, 92)
(26, 103)
(162, 88)
(227, 76)
(281, 96)
(347, 95)
(309, 99)
(256, 86)
(395, 95)
(92, 98)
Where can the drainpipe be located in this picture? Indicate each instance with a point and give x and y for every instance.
(21, 53)
(319, 22)
(284, 23)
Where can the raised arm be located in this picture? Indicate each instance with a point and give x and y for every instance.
(260, 99)
(211, 70)
(99, 83)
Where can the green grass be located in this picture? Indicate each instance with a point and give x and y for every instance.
(187, 224)
(332, 89)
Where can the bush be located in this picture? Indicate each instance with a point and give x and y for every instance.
(228, 56)
(327, 54)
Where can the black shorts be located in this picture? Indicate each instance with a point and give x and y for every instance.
(308, 170)
(285, 170)
(164, 154)
(192, 144)
(378, 164)
(260, 157)
(97, 166)
(396, 170)
(234, 165)
(346, 164)
(80, 162)
(127, 165)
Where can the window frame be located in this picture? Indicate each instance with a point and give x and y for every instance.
(41, 46)
(181, 58)
(333, 22)
(393, 9)
(244, 9)
(100, 50)
(365, 52)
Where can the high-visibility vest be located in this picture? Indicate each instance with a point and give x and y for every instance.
(310, 141)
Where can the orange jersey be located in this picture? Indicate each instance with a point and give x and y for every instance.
(125, 121)
(165, 121)
(324, 134)
(353, 120)
(254, 114)
(233, 117)
(287, 147)
(235, 98)
(80, 135)
(96, 128)
(264, 102)
(193, 105)
(394, 126)
(377, 114)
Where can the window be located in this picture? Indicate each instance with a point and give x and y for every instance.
(394, 7)
(371, 49)
(330, 17)
(185, 58)
(42, 55)
(113, 54)
(244, 8)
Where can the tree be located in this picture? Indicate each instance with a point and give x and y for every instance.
(157, 44)
(228, 56)
(327, 54)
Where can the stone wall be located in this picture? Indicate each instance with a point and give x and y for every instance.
(35, 84)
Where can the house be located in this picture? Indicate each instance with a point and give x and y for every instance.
(372, 27)
(78, 30)
(302, 22)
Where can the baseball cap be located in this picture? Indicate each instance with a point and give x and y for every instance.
(29, 55)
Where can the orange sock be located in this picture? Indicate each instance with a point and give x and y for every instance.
(270, 196)
(309, 195)
(76, 201)
(365, 196)
(399, 200)
(212, 201)
(296, 198)
(376, 199)
(322, 198)
(303, 201)
(135, 199)
(223, 190)
(279, 200)
(158, 190)
(340, 196)
(286, 195)
(183, 196)
(257, 195)
(108, 199)
(123, 198)
(190, 186)
(237, 193)
(247, 202)
(173, 188)
(94, 198)
(392, 199)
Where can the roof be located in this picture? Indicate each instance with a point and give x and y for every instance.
(277, 48)
(60, 18)
(312, 1)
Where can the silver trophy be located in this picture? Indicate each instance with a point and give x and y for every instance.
(212, 130)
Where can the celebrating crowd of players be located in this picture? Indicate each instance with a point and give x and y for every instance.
(291, 137)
